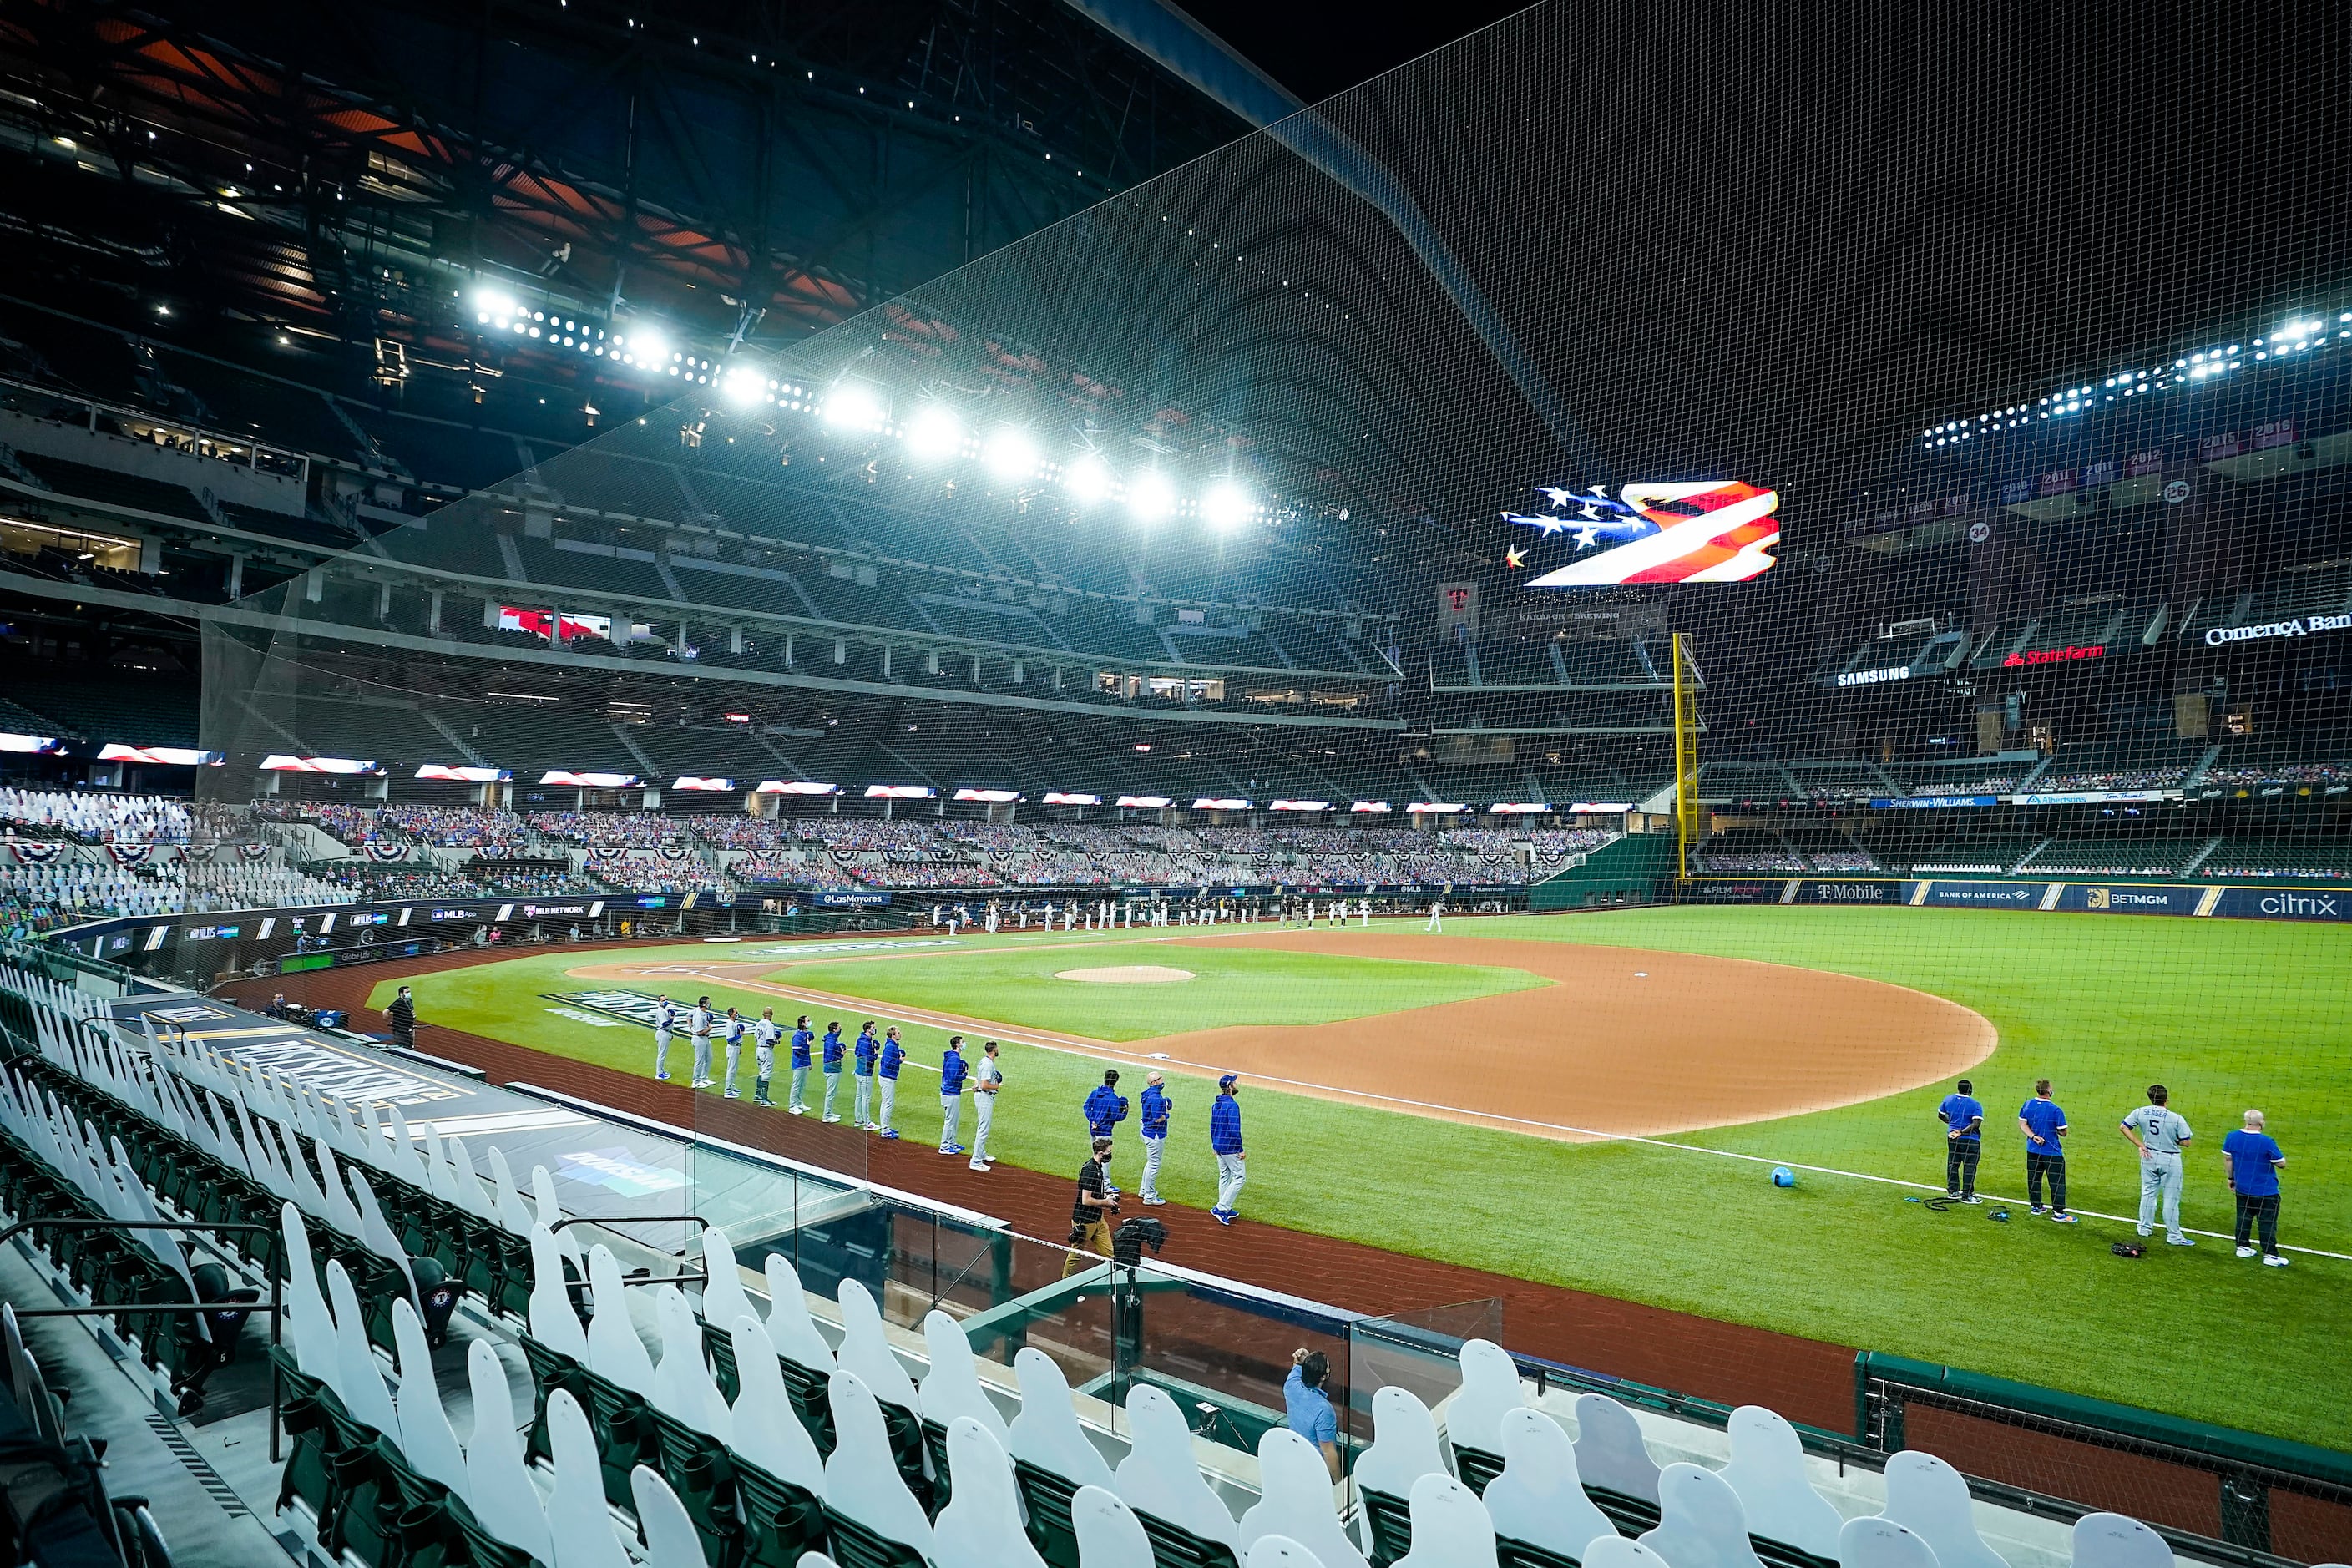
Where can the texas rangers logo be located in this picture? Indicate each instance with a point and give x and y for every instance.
(1716, 531)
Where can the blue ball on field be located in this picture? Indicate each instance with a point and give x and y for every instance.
(1783, 1177)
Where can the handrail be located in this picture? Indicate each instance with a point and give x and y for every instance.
(696, 1276)
(276, 1305)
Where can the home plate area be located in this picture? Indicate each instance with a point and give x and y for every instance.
(1126, 974)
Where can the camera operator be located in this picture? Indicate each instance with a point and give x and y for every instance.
(1091, 1210)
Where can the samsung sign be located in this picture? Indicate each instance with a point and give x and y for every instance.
(2302, 626)
(1873, 677)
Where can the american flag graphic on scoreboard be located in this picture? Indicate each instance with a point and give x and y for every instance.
(1711, 531)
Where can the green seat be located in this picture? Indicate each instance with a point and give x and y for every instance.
(806, 1388)
(308, 1475)
(1476, 1467)
(483, 1550)
(1173, 1546)
(935, 1443)
(549, 1370)
(1391, 1517)
(781, 1521)
(1048, 1497)
(1510, 1553)
(624, 1426)
(718, 1346)
(702, 1473)
(905, 1430)
(855, 1546)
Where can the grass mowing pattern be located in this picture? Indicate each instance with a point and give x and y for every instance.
(1229, 986)
(2230, 1014)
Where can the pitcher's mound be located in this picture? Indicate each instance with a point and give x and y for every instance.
(1126, 974)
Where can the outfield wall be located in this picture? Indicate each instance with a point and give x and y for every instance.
(2193, 899)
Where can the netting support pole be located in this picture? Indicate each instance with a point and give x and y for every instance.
(1686, 760)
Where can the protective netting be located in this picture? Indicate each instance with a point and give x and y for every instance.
(1967, 389)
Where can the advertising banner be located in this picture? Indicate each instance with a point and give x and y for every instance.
(853, 899)
(2284, 903)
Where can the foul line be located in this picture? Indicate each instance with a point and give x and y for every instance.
(1077, 1045)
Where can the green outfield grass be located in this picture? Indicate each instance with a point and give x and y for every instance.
(1228, 986)
(2230, 1014)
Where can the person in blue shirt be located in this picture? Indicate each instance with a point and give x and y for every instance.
(831, 1063)
(893, 1054)
(861, 1058)
(2045, 1154)
(2254, 1159)
(951, 1095)
(802, 1037)
(1308, 1409)
(1105, 1109)
(1154, 1128)
(1225, 1143)
(1963, 1119)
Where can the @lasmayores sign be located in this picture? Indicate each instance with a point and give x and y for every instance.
(1711, 531)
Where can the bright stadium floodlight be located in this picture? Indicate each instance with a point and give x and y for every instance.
(1227, 505)
(743, 385)
(1151, 497)
(646, 352)
(852, 406)
(1088, 479)
(935, 434)
(1011, 455)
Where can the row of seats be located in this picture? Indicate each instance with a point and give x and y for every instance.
(56, 1510)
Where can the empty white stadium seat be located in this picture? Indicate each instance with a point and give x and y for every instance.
(866, 1349)
(951, 1386)
(614, 1352)
(1700, 1521)
(767, 1431)
(426, 1437)
(683, 1389)
(359, 1378)
(1768, 1471)
(1609, 1451)
(1404, 1444)
(2118, 1540)
(1616, 1552)
(1490, 1386)
(1450, 1527)
(553, 1323)
(861, 1477)
(1109, 1535)
(1047, 1433)
(1539, 1497)
(981, 1526)
(577, 1519)
(790, 1328)
(670, 1538)
(1159, 1476)
(1929, 1499)
(1879, 1543)
(723, 1300)
(1295, 1500)
(498, 1487)
(1279, 1552)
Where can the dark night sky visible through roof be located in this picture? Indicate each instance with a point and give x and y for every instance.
(1317, 48)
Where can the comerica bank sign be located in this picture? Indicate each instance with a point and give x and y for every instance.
(2301, 627)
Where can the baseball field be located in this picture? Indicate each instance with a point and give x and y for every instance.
(1597, 1101)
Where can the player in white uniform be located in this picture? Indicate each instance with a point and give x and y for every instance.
(664, 1020)
(764, 1035)
(2160, 1135)
(734, 1033)
(987, 1082)
(1436, 918)
(699, 1030)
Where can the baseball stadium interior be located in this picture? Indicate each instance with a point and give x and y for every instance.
(1644, 619)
